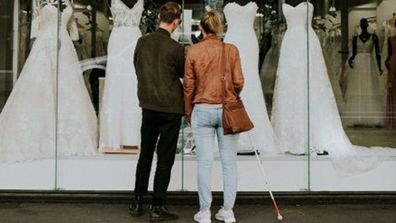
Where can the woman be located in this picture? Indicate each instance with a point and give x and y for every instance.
(206, 64)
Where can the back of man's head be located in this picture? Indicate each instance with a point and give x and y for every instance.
(169, 12)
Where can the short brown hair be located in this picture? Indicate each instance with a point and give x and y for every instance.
(169, 12)
(211, 23)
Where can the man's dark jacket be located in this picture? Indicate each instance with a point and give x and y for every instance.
(159, 65)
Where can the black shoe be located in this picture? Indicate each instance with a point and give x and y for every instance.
(323, 153)
(136, 208)
(161, 213)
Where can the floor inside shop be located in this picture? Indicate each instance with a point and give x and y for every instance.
(105, 213)
(372, 136)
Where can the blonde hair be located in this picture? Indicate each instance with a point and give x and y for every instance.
(211, 23)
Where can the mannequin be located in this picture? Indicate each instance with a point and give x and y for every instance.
(364, 103)
(365, 36)
(294, 3)
(62, 4)
(240, 2)
(128, 3)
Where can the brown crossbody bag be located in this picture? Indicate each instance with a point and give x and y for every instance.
(235, 117)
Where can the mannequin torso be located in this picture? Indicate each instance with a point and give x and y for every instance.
(61, 4)
(240, 2)
(128, 3)
(364, 37)
(294, 2)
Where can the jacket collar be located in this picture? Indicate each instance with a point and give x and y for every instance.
(210, 37)
(163, 32)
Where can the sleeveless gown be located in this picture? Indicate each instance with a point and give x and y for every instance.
(49, 102)
(120, 115)
(291, 114)
(364, 99)
(240, 32)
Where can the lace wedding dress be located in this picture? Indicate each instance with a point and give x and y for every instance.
(240, 32)
(49, 105)
(120, 115)
(291, 111)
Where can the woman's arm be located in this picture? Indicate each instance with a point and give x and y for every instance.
(237, 75)
(189, 86)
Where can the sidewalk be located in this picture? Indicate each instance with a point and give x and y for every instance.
(117, 213)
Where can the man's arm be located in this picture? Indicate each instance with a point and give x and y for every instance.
(136, 53)
(180, 57)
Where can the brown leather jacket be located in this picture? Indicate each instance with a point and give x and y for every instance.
(203, 75)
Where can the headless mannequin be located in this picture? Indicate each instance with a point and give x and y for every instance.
(365, 36)
(61, 4)
(128, 3)
(240, 2)
(294, 2)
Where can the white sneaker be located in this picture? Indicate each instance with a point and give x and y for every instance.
(225, 215)
(203, 216)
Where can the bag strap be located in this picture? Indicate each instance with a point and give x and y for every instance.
(223, 71)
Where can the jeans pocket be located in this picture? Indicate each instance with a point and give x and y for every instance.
(201, 117)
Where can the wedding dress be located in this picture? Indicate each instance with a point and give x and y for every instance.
(240, 32)
(364, 100)
(120, 115)
(49, 106)
(270, 64)
(292, 115)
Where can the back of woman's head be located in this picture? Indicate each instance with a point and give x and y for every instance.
(211, 23)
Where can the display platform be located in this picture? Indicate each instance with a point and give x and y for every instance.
(116, 173)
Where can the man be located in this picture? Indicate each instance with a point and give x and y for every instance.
(159, 64)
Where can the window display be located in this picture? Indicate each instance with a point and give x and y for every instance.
(315, 117)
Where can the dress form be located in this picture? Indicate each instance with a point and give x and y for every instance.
(61, 4)
(240, 2)
(294, 2)
(365, 36)
(128, 3)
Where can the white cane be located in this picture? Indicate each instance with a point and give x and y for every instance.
(260, 163)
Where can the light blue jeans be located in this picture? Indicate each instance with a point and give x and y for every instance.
(206, 123)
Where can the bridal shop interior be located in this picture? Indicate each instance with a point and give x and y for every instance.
(320, 88)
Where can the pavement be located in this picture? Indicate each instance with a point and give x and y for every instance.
(117, 213)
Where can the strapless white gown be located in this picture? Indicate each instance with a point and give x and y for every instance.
(241, 33)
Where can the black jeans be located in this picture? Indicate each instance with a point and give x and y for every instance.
(161, 130)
